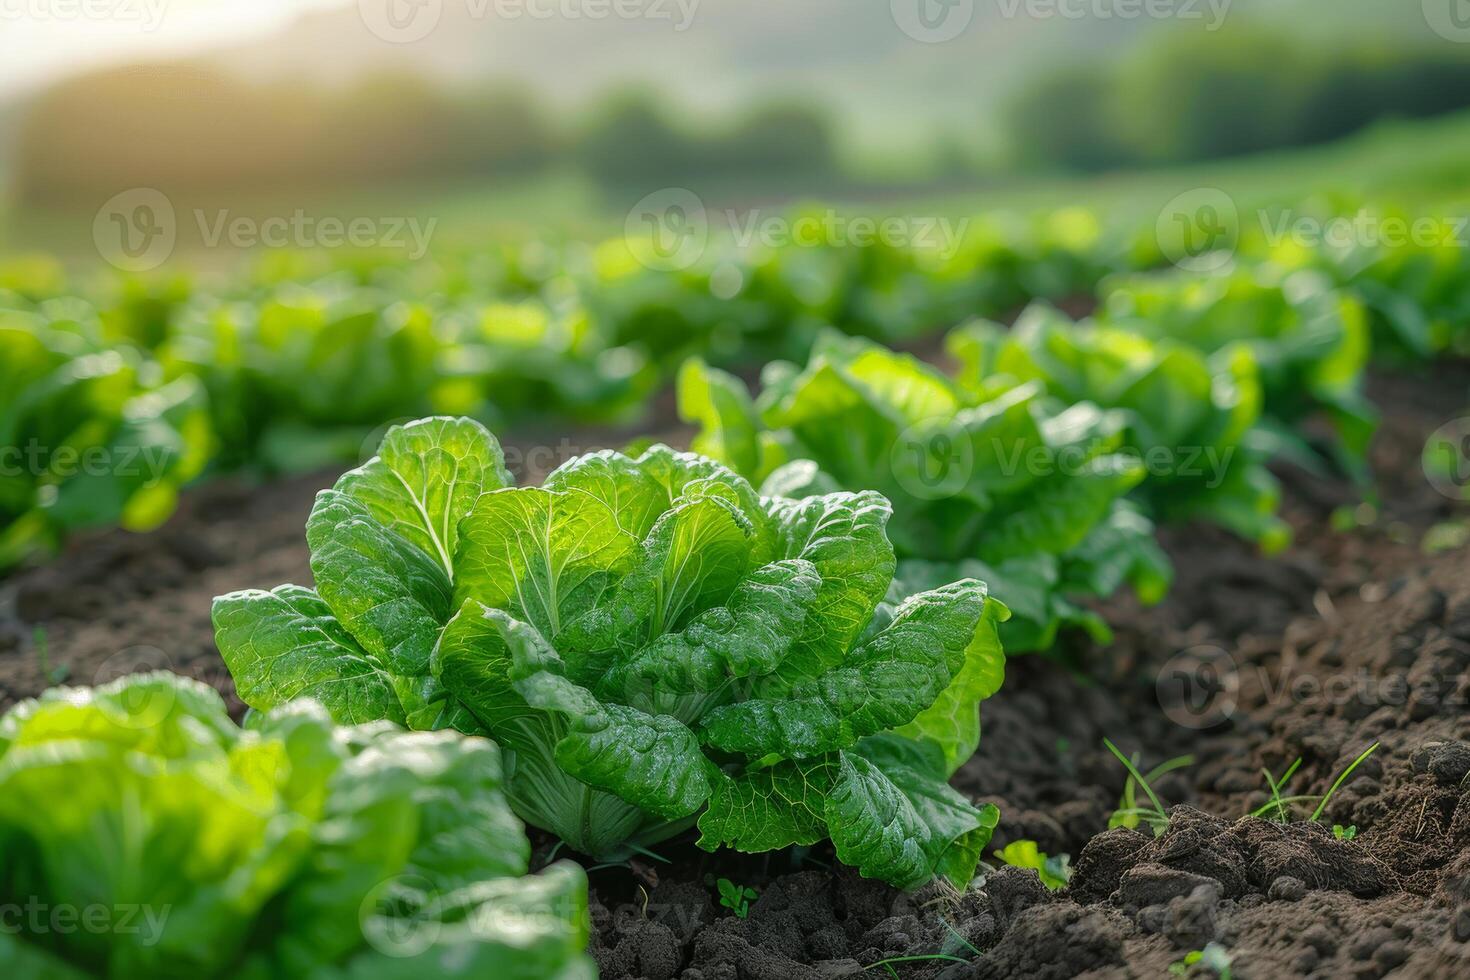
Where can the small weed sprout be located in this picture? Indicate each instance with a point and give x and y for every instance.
(888, 964)
(1128, 814)
(54, 674)
(736, 898)
(1279, 806)
(1055, 871)
(1213, 958)
(1317, 813)
(1158, 817)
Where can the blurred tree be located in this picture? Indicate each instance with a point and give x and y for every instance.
(630, 140)
(180, 128)
(177, 127)
(168, 126)
(1198, 95)
(1203, 95)
(776, 140)
(387, 127)
(1428, 83)
(1065, 119)
(503, 130)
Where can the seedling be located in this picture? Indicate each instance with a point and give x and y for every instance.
(1445, 536)
(1344, 833)
(1158, 817)
(1213, 957)
(736, 898)
(1317, 813)
(53, 674)
(958, 938)
(1127, 814)
(929, 957)
(1279, 806)
(925, 958)
(1055, 871)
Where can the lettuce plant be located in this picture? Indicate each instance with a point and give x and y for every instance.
(1415, 289)
(653, 644)
(89, 436)
(1191, 420)
(179, 845)
(1004, 261)
(1310, 343)
(298, 377)
(1017, 489)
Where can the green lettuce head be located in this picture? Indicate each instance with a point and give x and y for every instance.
(1192, 419)
(177, 844)
(1310, 343)
(89, 436)
(652, 643)
(1013, 487)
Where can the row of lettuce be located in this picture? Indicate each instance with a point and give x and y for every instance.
(781, 638)
(117, 394)
(1043, 462)
(649, 644)
(653, 645)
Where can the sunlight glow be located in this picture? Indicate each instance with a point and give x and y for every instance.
(43, 40)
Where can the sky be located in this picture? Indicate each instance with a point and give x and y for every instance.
(42, 40)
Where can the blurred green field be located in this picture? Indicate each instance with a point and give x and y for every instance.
(564, 204)
(1374, 163)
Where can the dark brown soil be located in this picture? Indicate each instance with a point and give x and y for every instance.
(1348, 639)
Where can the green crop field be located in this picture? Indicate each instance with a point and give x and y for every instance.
(542, 575)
